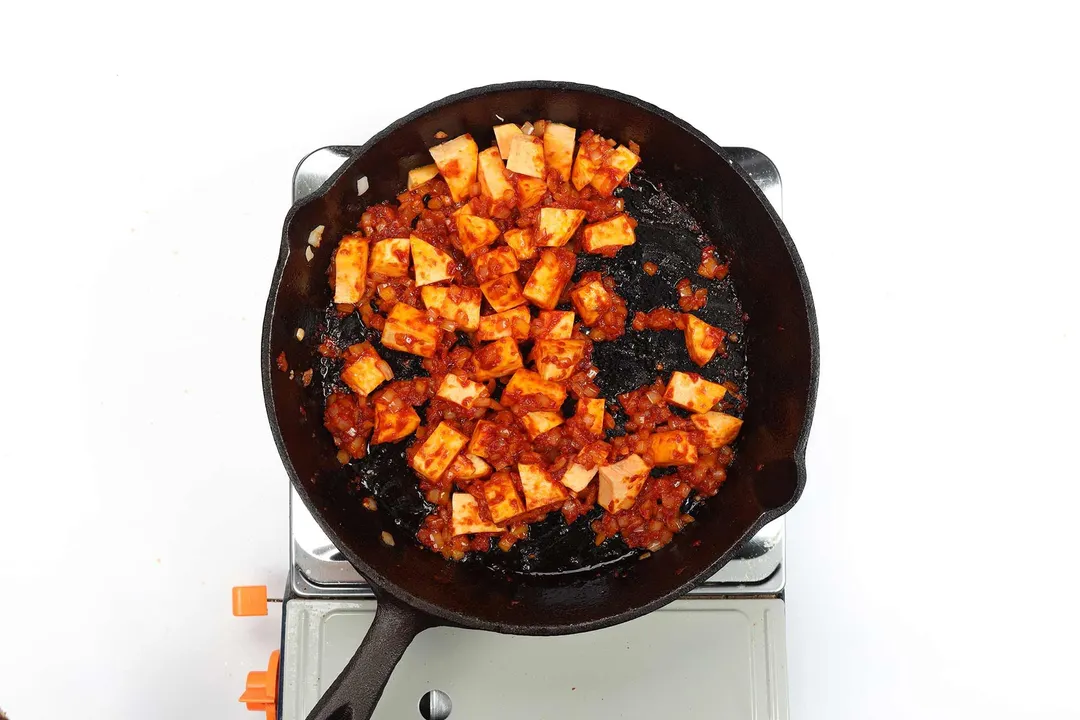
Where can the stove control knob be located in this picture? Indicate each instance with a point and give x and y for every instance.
(249, 600)
(260, 693)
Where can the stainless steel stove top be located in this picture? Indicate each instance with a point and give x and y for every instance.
(319, 570)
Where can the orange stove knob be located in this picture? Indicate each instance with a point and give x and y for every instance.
(248, 600)
(260, 691)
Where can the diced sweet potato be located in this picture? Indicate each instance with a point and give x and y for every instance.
(512, 323)
(504, 135)
(672, 447)
(465, 517)
(591, 301)
(419, 176)
(503, 292)
(521, 242)
(530, 191)
(350, 269)
(467, 467)
(559, 148)
(430, 264)
(585, 465)
(461, 391)
(590, 154)
(702, 339)
(392, 425)
(438, 451)
(553, 325)
(540, 490)
(495, 262)
(621, 482)
(497, 359)
(693, 392)
(409, 330)
(502, 497)
(556, 226)
(466, 209)
(475, 232)
(607, 236)
(720, 428)
(493, 181)
(457, 303)
(526, 156)
(363, 375)
(539, 422)
(557, 359)
(549, 277)
(615, 167)
(390, 257)
(591, 411)
(456, 160)
(545, 394)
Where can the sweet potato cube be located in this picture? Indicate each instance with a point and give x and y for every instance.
(513, 323)
(693, 392)
(559, 148)
(485, 434)
(493, 181)
(465, 517)
(540, 490)
(409, 330)
(553, 325)
(608, 236)
(530, 191)
(457, 303)
(539, 422)
(556, 226)
(719, 428)
(393, 425)
(521, 242)
(590, 154)
(438, 451)
(350, 269)
(456, 160)
(495, 262)
(702, 339)
(591, 301)
(615, 167)
(502, 497)
(461, 391)
(504, 135)
(526, 383)
(497, 359)
(475, 232)
(363, 375)
(467, 467)
(526, 156)
(672, 447)
(557, 359)
(503, 292)
(419, 176)
(549, 277)
(585, 465)
(591, 411)
(430, 264)
(390, 257)
(621, 482)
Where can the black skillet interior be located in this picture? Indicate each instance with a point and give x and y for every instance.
(689, 190)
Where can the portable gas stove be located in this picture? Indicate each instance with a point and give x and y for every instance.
(719, 652)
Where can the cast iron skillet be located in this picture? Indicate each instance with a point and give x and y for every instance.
(689, 189)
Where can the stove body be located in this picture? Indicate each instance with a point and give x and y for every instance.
(719, 652)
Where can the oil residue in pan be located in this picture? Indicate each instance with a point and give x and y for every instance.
(668, 236)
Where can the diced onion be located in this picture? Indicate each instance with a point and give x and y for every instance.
(654, 397)
(299, 333)
(527, 128)
(308, 254)
(385, 369)
(362, 185)
(387, 538)
(314, 238)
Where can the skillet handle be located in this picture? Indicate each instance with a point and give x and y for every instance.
(357, 690)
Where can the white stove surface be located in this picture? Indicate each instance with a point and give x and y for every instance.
(695, 658)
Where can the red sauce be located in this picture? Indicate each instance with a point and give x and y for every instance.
(350, 421)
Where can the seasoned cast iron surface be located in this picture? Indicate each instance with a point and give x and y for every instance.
(666, 235)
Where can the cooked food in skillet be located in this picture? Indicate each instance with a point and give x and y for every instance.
(473, 270)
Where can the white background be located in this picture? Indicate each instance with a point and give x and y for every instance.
(929, 156)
